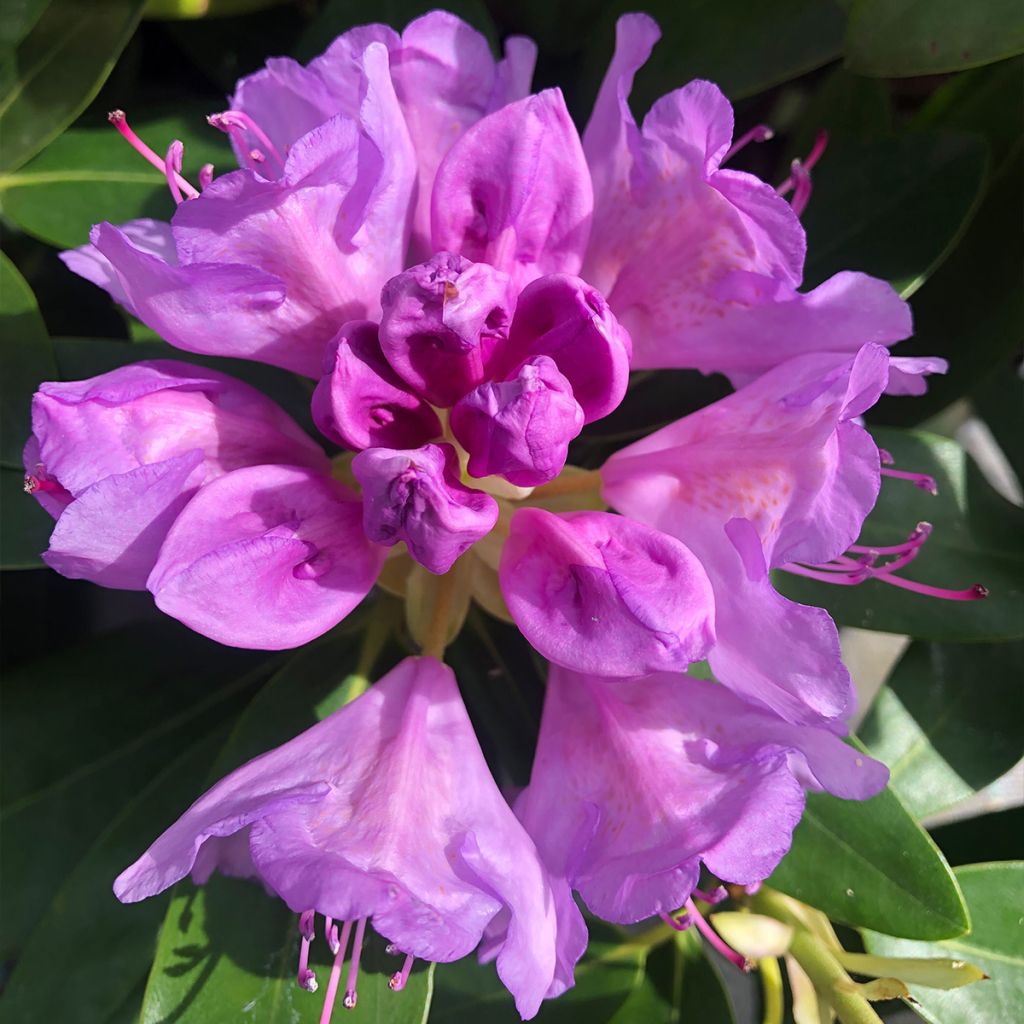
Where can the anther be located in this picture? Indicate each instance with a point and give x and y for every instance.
(205, 176)
(118, 119)
(799, 179)
(922, 480)
(172, 169)
(679, 924)
(759, 133)
(236, 123)
(397, 980)
(351, 996)
(717, 895)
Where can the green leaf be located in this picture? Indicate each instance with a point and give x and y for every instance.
(103, 947)
(82, 730)
(738, 45)
(612, 969)
(978, 537)
(995, 943)
(998, 401)
(57, 69)
(27, 360)
(949, 721)
(27, 526)
(17, 18)
(869, 864)
(90, 175)
(227, 948)
(894, 207)
(900, 38)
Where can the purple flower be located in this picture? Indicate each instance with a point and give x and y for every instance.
(702, 264)
(385, 811)
(636, 782)
(115, 458)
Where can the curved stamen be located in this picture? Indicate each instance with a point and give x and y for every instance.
(717, 895)
(351, 996)
(236, 123)
(922, 480)
(118, 119)
(172, 169)
(976, 592)
(759, 133)
(920, 534)
(680, 924)
(799, 179)
(305, 978)
(335, 978)
(397, 980)
(205, 176)
(715, 939)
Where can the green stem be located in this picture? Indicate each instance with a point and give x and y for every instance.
(817, 960)
(771, 986)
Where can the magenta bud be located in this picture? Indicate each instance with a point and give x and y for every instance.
(519, 428)
(561, 316)
(416, 496)
(361, 402)
(442, 324)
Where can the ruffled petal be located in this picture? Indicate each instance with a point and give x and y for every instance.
(515, 191)
(600, 593)
(267, 557)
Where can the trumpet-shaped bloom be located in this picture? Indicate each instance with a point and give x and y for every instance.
(777, 472)
(700, 263)
(636, 782)
(115, 458)
(385, 810)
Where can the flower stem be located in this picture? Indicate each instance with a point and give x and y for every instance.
(818, 962)
(436, 638)
(771, 986)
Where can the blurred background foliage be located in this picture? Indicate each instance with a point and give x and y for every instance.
(113, 716)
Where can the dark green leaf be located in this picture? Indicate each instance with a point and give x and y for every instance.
(81, 731)
(611, 970)
(995, 836)
(17, 18)
(90, 175)
(869, 864)
(999, 402)
(949, 721)
(978, 537)
(894, 207)
(27, 360)
(103, 948)
(26, 528)
(995, 943)
(743, 47)
(57, 69)
(227, 948)
(897, 38)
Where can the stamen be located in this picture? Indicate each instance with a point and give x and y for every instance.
(885, 457)
(331, 934)
(922, 480)
(205, 176)
(976, 592)
(335, 978)
(236, 123)
(172, 169)
(305, 978)
(351, 996)
(397, 980)
(918, 536)
(715, 940)
(118, 119)
(716, 895)
(759, 133)
(799, 179)
(680, 924)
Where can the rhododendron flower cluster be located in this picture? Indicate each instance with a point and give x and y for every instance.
(469, 282)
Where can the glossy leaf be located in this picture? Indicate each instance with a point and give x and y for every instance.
(978, 537)
(103, 947)
(90, 175)
(869, 864)
(949, 721)
(116, 711)
(995, 943)
(898, 38)
(57, 69)
(229, 948)
(894, 207)
(27, 360)
(743, 47)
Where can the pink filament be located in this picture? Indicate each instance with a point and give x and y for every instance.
(714, 939)
(680, 924)
(305, 977)
(397, 980)
(717, 895)
(759, 133)
(205, 176)
(118, 119)
(236, 123)
(799, 179)
(335, 978)
(351, 996)
(922, 480)
(172, 169)
(975, 592)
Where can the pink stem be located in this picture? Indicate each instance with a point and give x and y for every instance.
(118, 119)
(714, 939)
